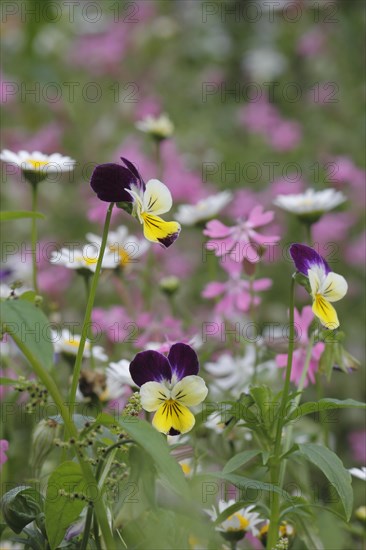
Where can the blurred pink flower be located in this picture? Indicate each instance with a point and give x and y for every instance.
(357, 441)
(236, 292)
(355, 251)
(152, 329)
(147, 106)
(302, 324)
(286, 135)
(312, 42)
(332, 227)
(341, 170)
(97, 210)
(4, 446)
(241, 241)
(114, 322)
(6, 373)
(243, 202)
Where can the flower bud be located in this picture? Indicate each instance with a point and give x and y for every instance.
(43, 437)
(169, 285)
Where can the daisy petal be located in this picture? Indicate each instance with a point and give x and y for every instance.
(190, 391)
(150, 366)
(153, 394)
(183, 360)
(159, 231)
(157, 198)
(334, 287)
(172, 417)
(306, 258)
(325, 312)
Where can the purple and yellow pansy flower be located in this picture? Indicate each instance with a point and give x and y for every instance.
(125, 186)
(168, 386)
(326, 286)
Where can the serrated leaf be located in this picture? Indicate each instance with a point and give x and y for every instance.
(60, 511)
(19, 214)
(325, 404)
(156, 446)
(239, 460)
(332, 467)
(31, 325)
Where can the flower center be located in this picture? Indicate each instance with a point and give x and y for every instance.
(124, 257)
(243, 522)
(87, 261)
(37, 164)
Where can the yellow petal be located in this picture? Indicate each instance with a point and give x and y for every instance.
(172, 414)
(325, 312)
(153, 394)
(157, 230)
(157, 198)
(190, 391)
(334, 287)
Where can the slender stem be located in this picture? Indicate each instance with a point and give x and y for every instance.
(308, 233)
(275, 462)
(51, 386)
(87, 526)
(89, 332)
(323, 414)
(34, 237)
(88, 311)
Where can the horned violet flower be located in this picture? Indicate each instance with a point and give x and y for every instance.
(326, 286)
(168, 386)
(125, 186)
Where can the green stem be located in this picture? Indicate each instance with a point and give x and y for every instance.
(34, 237)
(323, 414)
(89, 332)
(88, 311)
(51, 386)
(275, 462)
(308, 233)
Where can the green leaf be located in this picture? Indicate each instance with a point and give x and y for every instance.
(156, 446)
(16, 215)
(28, 295)
(61, 511)
(332, 467)
(8, 381)
(246, 483)
(20, 506)
(31, 325)
(324, 404)
(239, 460)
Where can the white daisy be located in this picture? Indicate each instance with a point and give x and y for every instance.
(118, 377)
(190, 214)
(67, 342)
(36, 161)
(311, 203)
(86, 258)
(160, 127)
(126, 248)
(359, 472)
(243, 520)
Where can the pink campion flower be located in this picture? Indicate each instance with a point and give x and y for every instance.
(342, 169)
(241, 241)
(284, 136)
(236, 292)
(355, 252)
(4, 446)
(312, 42)
(357, 441)
(114, 322)
(302, 324)
(332, 227)
(151, 329)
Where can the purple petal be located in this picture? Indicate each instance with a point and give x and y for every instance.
(150, 366)
(110, 181)
(132, 168)
(305, 258)
(169, 240)
(183, 360)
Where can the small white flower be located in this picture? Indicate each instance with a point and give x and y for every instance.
(242, 520)
(5, 291)
(160, 127)
(264, 63)
(190, 214)
(126, 248)
(38, 162)
(67, 342)
(118, 377)
(359, 472)
(311, 202)
(86, 258)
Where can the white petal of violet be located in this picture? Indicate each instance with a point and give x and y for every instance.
(334, 287)
(157, 198)
(314, 280)
(153, 394)
(190, 391)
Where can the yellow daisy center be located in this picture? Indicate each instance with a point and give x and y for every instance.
(37, 164)
(186, 468)
(243, 522)
(87, 261)
(124, 257)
